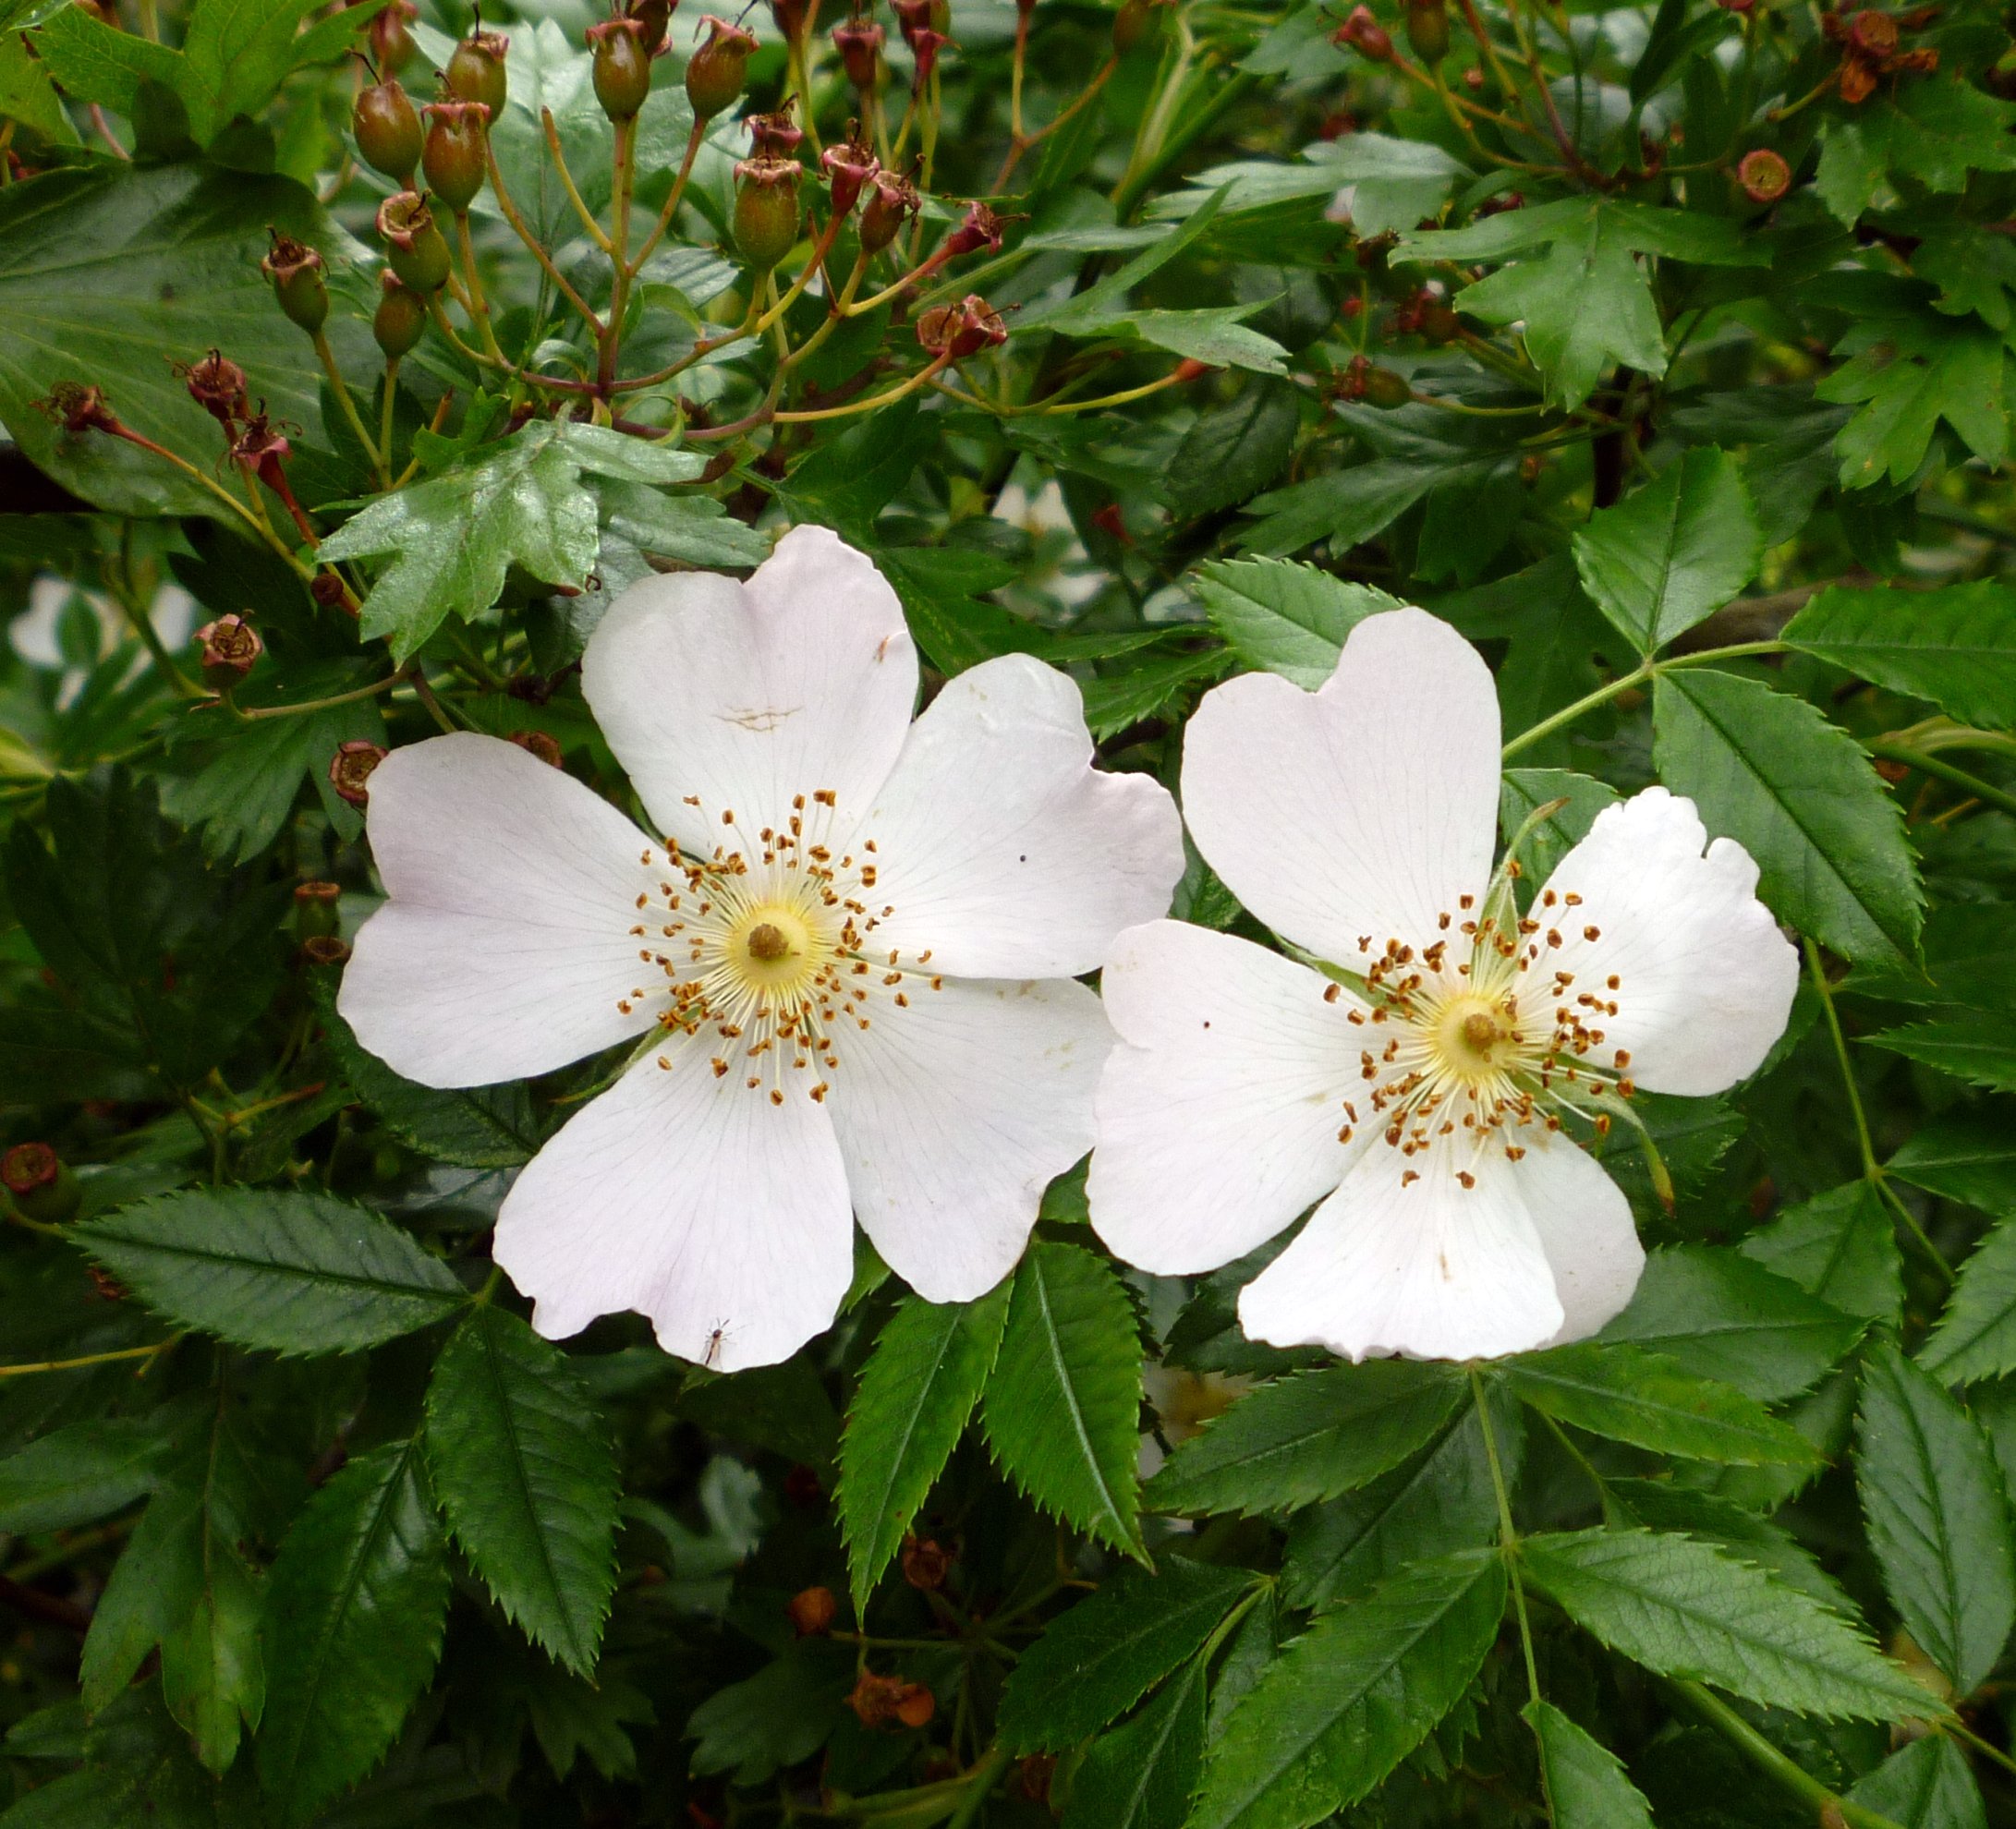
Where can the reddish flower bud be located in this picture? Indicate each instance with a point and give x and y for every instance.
(916, 16)
(227, 651)
(655, 17)
(40, 1183)
(262, 448)
(1427, 30)
(716, 73)
(476, 71)
(326, 950)
(1365, 35)
(537, 743)
(1764, 174)
(326, 588)
(980, 228)
(925, 45)
(926, 1562)
(859, 43)
(296, 271)
(350, 768)
(455, 156)
(387, 130)
(391, 43)
(1190, 370)
(78, 408)
(773, 136)
(793, 17)
(217, 385)
(877, 1700)
(962, 330)
(622, 67)
(401, 316)
(414, 246)
(315, 908)
(1135, 21)
(766, 219)
(811, 1612)
(892, 201)
(1873, 34)
(848, 166)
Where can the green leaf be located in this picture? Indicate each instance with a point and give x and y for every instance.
(355, 1606)
(1803, 798)
(233, 57)
(1969, 1159)
(1141, 1775)
(478, 1127)
(1955, 647)
(164, 961)
(292, 1272)
(97, 62)
(1672, 554)
(1927, 1785)
(782, 1408)
(920, 1384)
(1094, 1663)
(1234, 449)
(1840, 1246)
(1308, 1436)
(1722, 1316)
(1062, 1404)
(1907, 374)
(81, 1474)
(1976, 1046)
(1098, 308)
(1345, 1703)
(1629, 1395)
(1938, 1520)
(1587, 1785)
(1442, 1502)
(1343, 508)
(1586, 303)
(1664, 1505)
(1286, 618)
(1146, 686)
(450, 539)
(1524, 790)
(526, 1480)
(1976, 1336)
(26, 94)
(1685, 1610)
(942, 591)
(150, 260)
(776, 1718)
(212, 1675)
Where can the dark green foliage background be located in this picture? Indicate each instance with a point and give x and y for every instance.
(301, 1524)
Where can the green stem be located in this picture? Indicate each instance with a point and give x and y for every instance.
(1508, 1536)
(621, 183)
(1941, 769)
(1639, 675)
(251, 713)
(980, 1782)
(537, 247)
(331, 367)
(1794, 1779)
(1872, 1170)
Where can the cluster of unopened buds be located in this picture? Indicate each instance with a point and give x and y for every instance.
(1362, 379)
(1872, 48)
(878, 1700)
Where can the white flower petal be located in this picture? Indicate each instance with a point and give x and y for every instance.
(1218, 1112)
(746, 695)
(1365, 809)
(1705, 979)
(1585, 1229)
(694, 1200)
(506, 945)
(955, 1113)
(1431, 1269)
(1000, 846)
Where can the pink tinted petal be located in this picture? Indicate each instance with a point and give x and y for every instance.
(694, 1200)
(1361, 812)
(1000, 848)
(505, 949)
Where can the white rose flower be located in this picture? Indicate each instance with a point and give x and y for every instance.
(1416, 1090)
(851, 954)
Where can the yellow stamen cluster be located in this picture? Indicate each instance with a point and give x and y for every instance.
(763, 949)
(1465, 1058)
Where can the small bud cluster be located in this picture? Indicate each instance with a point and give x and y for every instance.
(1872, 48)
